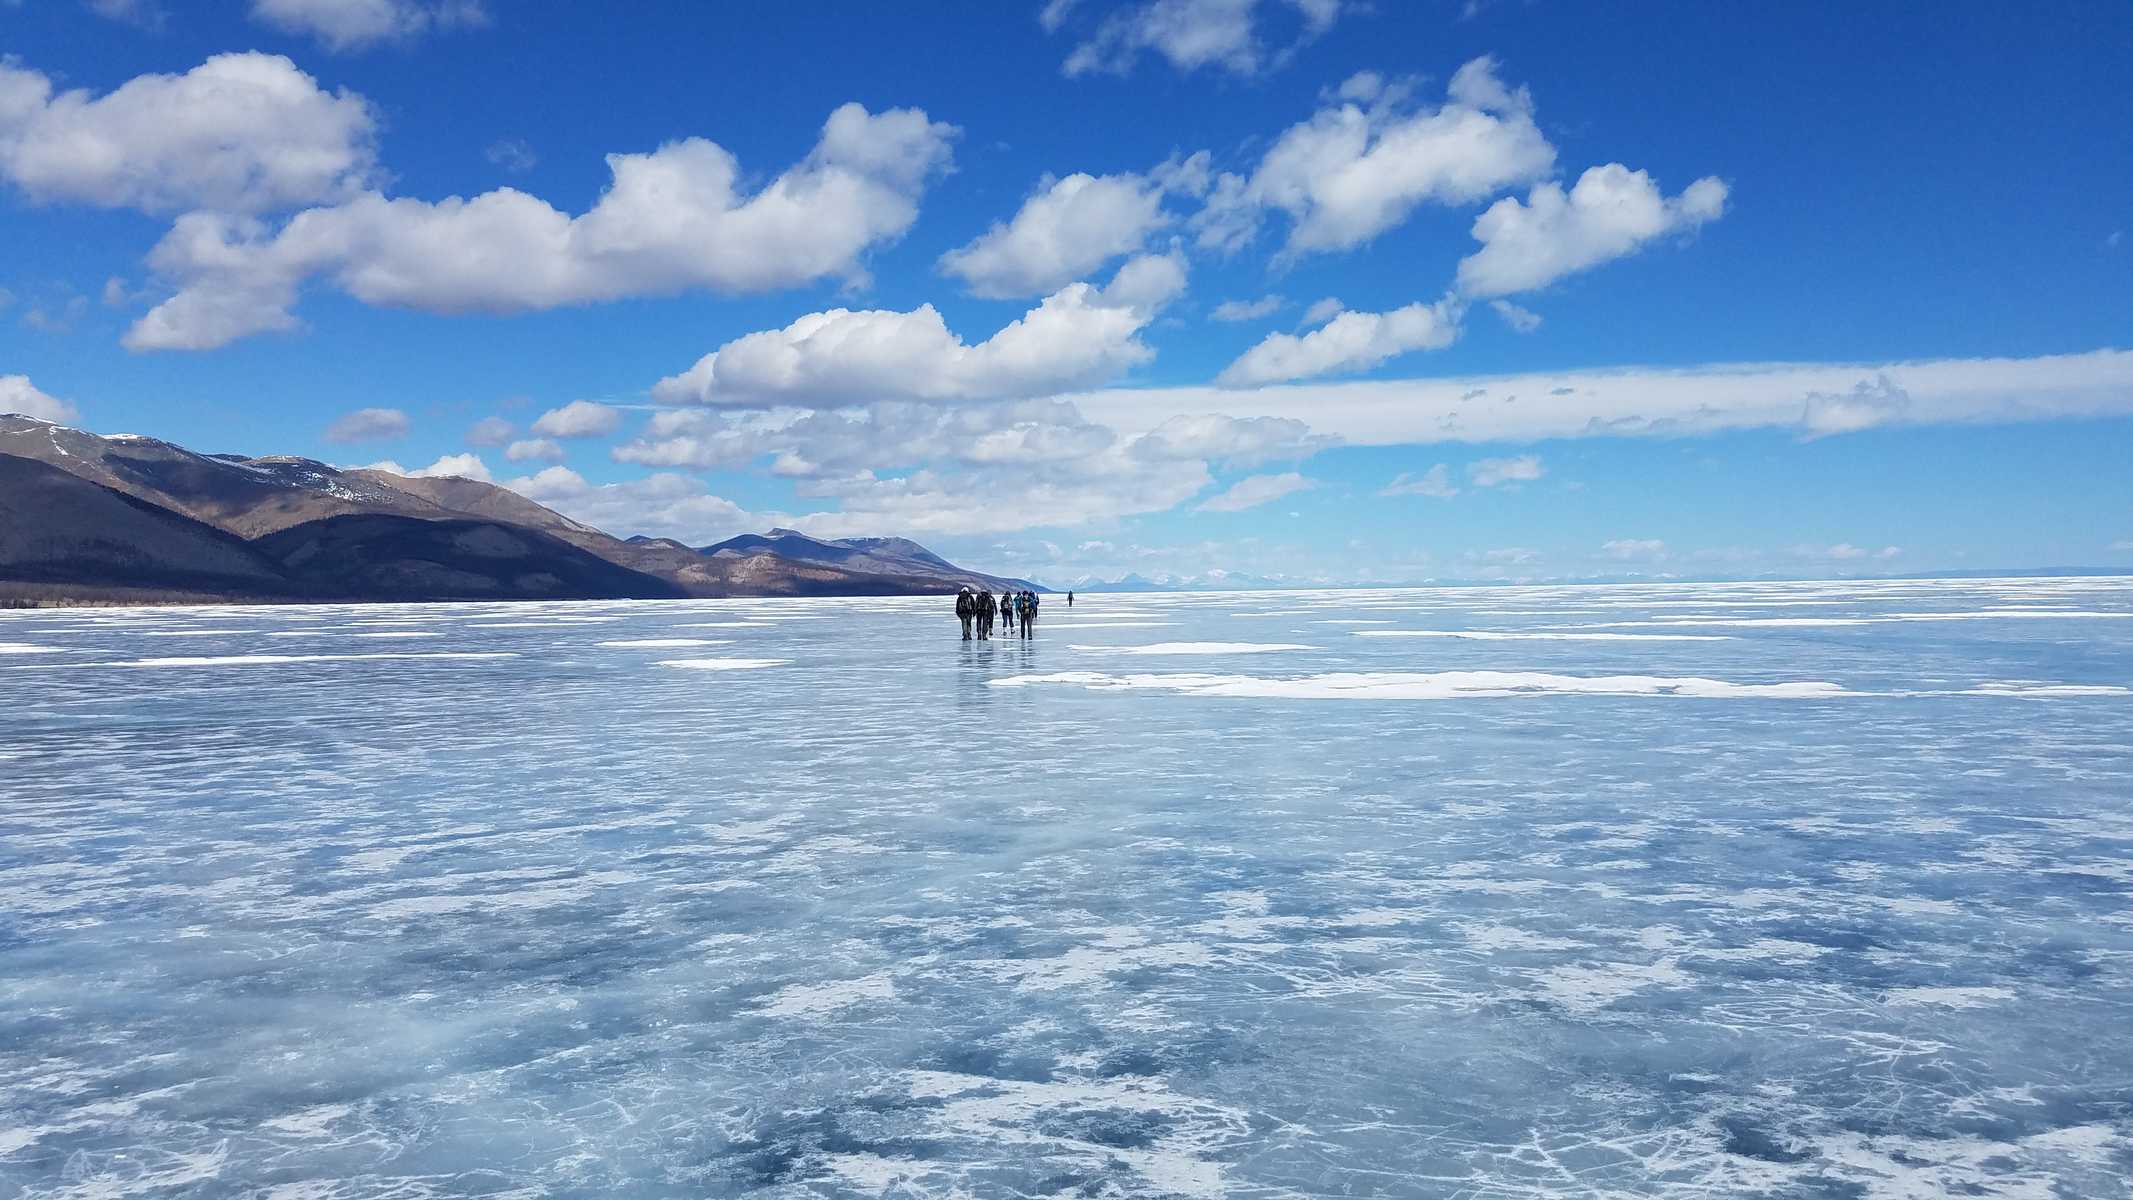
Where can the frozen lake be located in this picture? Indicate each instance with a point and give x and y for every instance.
(1703, 890)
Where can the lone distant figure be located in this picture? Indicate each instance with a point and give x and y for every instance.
(966, 607)
(1070, 599)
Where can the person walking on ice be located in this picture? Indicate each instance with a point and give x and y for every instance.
(966, 607)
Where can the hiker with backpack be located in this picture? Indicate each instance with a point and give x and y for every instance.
(985, 613)
(966, 607)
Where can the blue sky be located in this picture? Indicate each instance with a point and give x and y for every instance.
(1679, 289)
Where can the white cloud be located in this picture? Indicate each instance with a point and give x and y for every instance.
(1255, 490)
(1322, 312)
(534, 450)
(1077, 336)
(1434, 482)
(578, 419)
(369, 425)
(58, 316)
(1633, 549)
(491, 431)
(1358, 168)
(19, 395)
(1612, 212)
(1645, 401)
(673, 220)
(2123, 544)
(241, 133)
(1521, 320)
(344, 25)
(1846, 552)
(660, 505)
(1246, 310)
(1096, 488)
(1869, 403)
(512, 154)
(1190, 34)
(1495, 472)
(1351, 341)
(1057, 469)
(141, 14)
(1229, 440)
(1069, 228)
(462, 466)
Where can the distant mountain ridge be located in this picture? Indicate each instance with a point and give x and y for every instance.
(129, 519)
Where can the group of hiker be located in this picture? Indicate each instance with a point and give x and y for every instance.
(977, 609)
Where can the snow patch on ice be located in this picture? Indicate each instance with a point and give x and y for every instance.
(1200, 648)
(234, 660)
(1443, 685)
(821, 999)
(1951, 997)
(722, 664)
(1482, 635)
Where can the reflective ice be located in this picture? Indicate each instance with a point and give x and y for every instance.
(1700, 890)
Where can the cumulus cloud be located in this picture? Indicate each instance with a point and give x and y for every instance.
(1255, 490)
(491, 431)
(1237, 442)
(1645, 401)
(578, 419)
(19, 395)
(345, 25)
(534, 450)
(1359, 167)
(1351, 341)
(1436, 482)
(672, 220)
(1224, 34)
(369, 425)
(1094, 488)
(1611, 212)
(462, 466)
(240, 133)
(1246, 310)
(1871, 402)
(1069, 228)
(1079, 335)
(1521, 320)
(1495, 472)
(1634, 549)
(1060, 470)
(660, 505)
(1321, 312)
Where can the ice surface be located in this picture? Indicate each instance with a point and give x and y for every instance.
(866, 910)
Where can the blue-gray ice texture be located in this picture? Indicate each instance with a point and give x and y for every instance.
(1704, 890)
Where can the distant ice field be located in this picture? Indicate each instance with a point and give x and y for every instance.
(1742, 890)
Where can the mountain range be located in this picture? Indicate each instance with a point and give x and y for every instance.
(91, 519)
